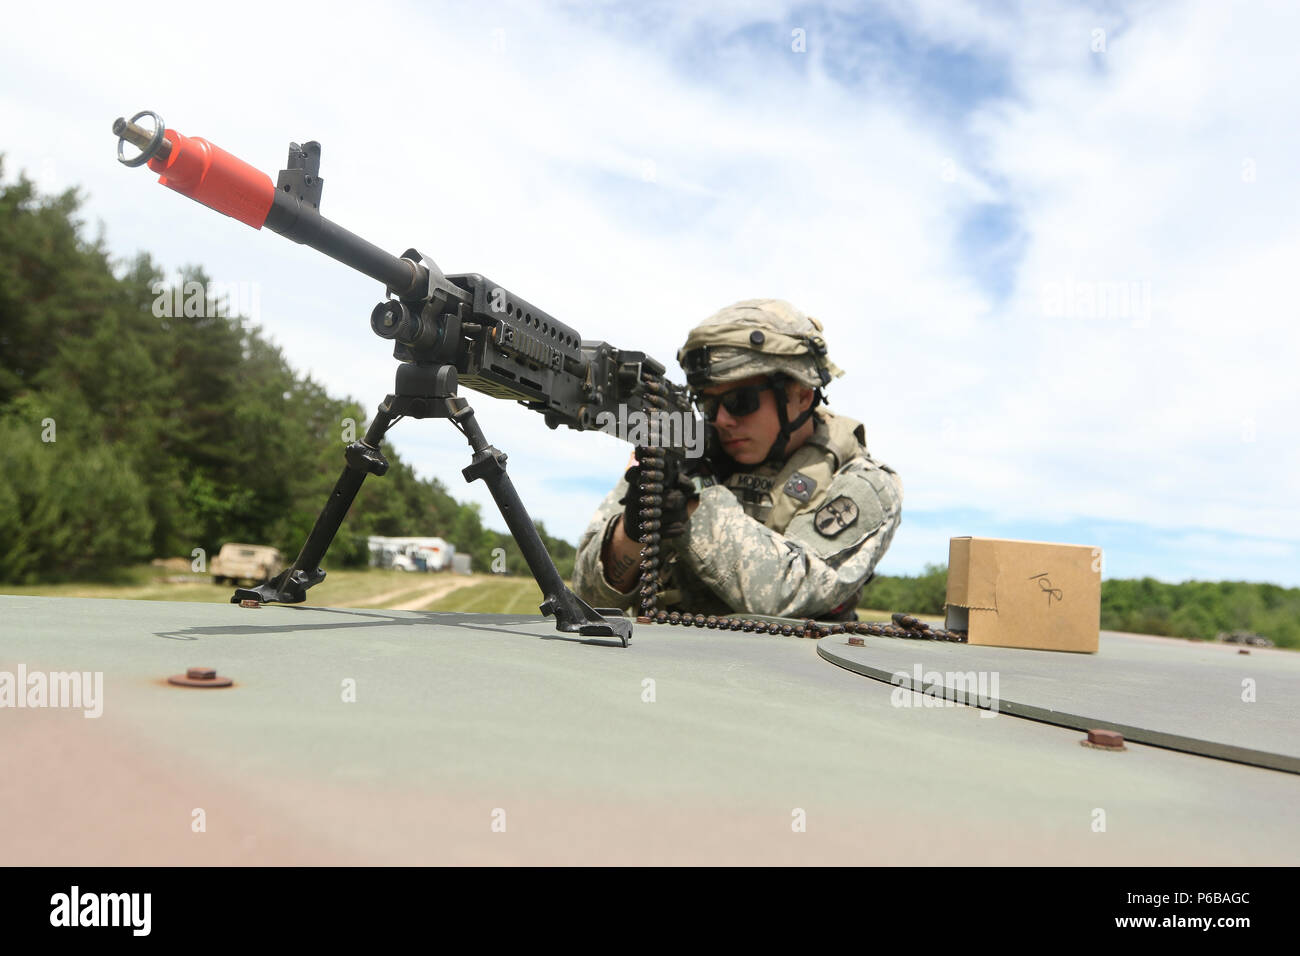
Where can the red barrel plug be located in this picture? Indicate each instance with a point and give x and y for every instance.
(208, 174)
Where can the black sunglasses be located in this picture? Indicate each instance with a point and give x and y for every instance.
(738, 402)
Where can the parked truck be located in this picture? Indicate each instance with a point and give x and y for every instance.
(245, 562)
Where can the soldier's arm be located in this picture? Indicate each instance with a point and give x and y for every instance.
(818, 564)
(602, 559)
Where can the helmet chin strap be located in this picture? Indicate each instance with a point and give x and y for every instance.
(777, 384)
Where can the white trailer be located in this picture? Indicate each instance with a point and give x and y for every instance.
(411, 554)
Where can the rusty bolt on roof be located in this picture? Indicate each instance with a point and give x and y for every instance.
(857, 641)
(200, 677)
(1104, 740)
(250, 602)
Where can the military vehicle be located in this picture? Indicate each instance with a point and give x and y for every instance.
(245, 562)
(363, 736)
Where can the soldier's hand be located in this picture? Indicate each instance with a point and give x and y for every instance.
(671, 491)
(631, 501)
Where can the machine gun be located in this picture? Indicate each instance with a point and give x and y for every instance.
(447, 330)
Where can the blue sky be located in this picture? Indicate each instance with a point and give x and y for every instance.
(1051, 242)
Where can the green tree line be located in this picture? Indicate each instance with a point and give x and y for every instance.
(133, 436)
(1197, 609)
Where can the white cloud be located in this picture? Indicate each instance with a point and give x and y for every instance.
(524, 154)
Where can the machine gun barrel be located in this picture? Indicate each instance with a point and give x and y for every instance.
(208, 174)
(501, 344)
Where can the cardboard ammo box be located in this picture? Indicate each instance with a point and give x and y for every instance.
(1025, 593)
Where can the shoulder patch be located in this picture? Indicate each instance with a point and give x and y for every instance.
(836, 515)
(800, 487)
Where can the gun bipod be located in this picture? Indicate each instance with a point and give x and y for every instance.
(429, 391)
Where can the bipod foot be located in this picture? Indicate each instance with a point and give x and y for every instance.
(287, 587)
(613, 624)
(575, 616)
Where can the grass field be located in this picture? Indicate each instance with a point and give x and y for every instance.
(495, 596)
(344, 588)
(373, 588)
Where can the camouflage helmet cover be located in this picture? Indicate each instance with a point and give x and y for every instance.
(757, 337)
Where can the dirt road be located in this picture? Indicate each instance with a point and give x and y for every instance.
(419, 597)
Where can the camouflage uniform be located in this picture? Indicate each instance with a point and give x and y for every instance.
(796, 537)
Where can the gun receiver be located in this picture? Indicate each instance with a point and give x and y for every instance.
(447, 330)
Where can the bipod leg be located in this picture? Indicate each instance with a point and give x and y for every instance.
(363, 458)
(572, 614)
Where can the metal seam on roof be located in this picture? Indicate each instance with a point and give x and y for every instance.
(1132, 733)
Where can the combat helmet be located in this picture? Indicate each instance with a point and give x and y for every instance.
(768, 337)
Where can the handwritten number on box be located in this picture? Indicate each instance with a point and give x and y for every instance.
(1046, 585)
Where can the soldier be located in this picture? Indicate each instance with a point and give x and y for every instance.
(795, 513)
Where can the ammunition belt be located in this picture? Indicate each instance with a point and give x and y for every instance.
(905, 625)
